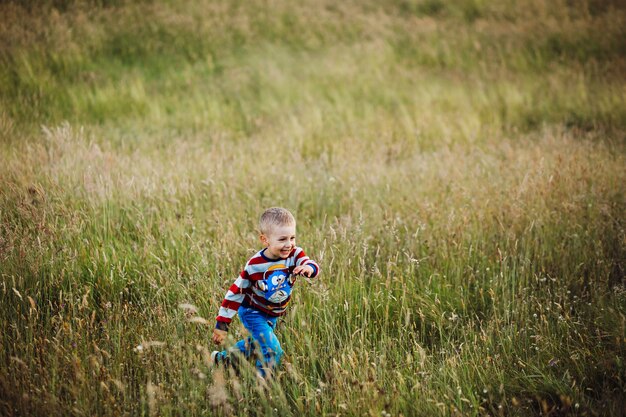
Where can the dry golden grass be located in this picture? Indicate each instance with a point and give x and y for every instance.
(456, 168)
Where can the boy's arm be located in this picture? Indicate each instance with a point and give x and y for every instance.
(305, 265)
(233, 299)
(219, 336)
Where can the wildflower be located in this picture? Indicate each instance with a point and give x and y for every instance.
(198, 320)
(189, 309)
(218, 396)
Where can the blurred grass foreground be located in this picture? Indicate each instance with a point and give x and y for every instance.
(456, 167)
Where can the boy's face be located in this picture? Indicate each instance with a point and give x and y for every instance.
(280, 240)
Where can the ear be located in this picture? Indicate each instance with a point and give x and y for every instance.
(264, 239)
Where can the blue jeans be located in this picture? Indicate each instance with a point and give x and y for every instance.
(262, 343)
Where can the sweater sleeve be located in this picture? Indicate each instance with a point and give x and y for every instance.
(302, 259)
(233, 299)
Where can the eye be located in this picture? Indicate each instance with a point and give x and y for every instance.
(278, 279)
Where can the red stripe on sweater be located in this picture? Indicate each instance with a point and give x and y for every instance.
(235, 289)
(257, 260)
(233, 305)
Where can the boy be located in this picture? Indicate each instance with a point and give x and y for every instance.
(262, 291)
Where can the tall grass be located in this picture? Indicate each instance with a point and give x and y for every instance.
(457, 168)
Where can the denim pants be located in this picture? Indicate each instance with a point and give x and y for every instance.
(262, 343)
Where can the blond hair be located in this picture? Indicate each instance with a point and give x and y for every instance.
(275, 216)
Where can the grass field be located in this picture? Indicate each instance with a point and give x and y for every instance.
(457, 168)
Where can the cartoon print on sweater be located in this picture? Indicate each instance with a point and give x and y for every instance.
(276, 284)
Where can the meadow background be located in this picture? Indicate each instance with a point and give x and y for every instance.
(456, 167)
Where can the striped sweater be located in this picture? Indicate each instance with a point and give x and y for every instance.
(264, 284)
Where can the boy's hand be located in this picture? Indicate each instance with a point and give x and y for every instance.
(305, 270)
(219, 336)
